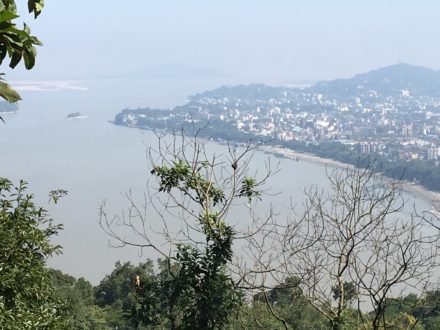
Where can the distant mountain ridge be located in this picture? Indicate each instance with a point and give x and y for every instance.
(389, 80)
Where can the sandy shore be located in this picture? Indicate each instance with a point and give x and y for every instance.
(419, 191)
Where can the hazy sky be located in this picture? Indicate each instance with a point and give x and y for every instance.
(276, 41)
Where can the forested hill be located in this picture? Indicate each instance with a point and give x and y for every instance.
(389, 80)
(250, 93)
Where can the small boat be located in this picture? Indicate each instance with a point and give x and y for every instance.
(75, 115)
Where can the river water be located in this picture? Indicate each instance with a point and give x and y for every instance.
(95, 160)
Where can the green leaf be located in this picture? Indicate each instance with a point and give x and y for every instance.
(35, 6)
(3, 53)
(6, 16)
(15, 59)
(10, 5)
(35, 41)
(12, 39)
(26, 28)
(8, 93)
(29, 58)
(55, 195)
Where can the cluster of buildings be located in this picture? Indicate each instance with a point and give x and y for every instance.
(398, 126)
(395, 124)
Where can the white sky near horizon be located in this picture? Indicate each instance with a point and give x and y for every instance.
(279, 41)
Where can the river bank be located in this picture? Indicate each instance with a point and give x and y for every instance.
(417, 190)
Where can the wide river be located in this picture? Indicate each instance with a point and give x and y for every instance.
(95, 160)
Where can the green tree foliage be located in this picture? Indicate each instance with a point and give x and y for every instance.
(350, 293)
(426, 309)
(83, 314)
(119, 300)
(426, 172)
(283, 307)
(195, 290)
(15, 43)
(26, 293)
(199, 287)
(116, 294)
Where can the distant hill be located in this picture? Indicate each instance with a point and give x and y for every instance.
(390, 80)
(387, 81)
(244, 92)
